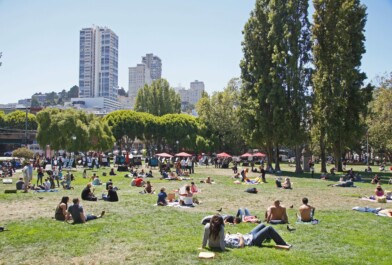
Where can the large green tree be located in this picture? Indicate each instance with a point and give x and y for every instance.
(339, 104)
(275, 75)
(158, 99)
(220, 113)
(17, 120)
(73, 130)
(380, 119)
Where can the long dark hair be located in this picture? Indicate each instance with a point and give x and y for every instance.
(215, 226)
(64, 200)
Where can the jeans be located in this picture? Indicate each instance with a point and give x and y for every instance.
(90, 217)
(262, 232)
(241, 213)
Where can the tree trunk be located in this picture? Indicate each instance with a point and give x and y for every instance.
(338, 157)
(322, 155)
(277, 163)
(270, 156)
(298, 154)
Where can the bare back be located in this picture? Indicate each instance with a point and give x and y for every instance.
(306, 212)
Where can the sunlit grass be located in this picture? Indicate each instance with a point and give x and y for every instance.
(136, 232)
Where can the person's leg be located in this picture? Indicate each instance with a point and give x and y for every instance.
(256, 230)
(240, 213)
(247, 213)
(90, 217)
(266, 233)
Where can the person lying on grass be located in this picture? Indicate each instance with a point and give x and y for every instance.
(78, 215)
(227, 219)
(345, 184)
(306, 212)
(276, 214)
(246, 217)
(214, 235)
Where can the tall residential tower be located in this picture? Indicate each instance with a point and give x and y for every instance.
(98, 63)
(155, 64)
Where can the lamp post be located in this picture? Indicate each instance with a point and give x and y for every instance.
(178, 147)
(73, 143)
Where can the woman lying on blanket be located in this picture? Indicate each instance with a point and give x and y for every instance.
(378, 211)
(214, 235)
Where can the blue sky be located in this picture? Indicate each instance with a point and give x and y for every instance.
(196, 39)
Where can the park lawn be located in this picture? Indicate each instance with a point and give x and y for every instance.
(134, 231)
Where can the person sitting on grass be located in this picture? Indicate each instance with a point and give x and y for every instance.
(138, 182)
(96, 181)
(379, 192)
(306, 212)
(61, 209)
(194, 188)
(276, 214)
(216, 239)
(20, 184)
(148, 188)
(376, 179)
(246, 217)
(162, 198)
(111, 173)
(186, 197)
(111, 196)
(78, 215)
(286, 184)
(88, 193)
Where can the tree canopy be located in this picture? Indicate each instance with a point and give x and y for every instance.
(158, 99)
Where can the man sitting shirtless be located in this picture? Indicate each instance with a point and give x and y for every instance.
(276, 214)
(306, 211)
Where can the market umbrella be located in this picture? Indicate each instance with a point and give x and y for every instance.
(258, 154)
(183, 154)
(223, 155)
(246, 155)
(164, 155)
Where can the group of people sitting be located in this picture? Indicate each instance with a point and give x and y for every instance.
(88, 192)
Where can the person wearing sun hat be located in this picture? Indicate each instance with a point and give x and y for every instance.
(276, 214)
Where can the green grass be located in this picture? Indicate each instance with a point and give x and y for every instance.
(136, 232)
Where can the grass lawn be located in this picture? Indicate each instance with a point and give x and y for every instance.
(133, 231)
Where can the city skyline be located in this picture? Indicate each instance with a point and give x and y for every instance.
(196, 40)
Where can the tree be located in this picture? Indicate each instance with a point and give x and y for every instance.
(73, 92)
(122, 92)
(339, 104)
(275, 75)
(158, 99)
(17, 120)
(2, 119)
(73, 131)
(220, 114)
(379, 121)
(23, 152)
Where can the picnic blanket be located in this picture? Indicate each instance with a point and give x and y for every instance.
(372, 200)
(7, 181)
(313, 222)
(177, 205)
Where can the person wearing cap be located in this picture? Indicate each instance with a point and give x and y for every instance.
(276, 214)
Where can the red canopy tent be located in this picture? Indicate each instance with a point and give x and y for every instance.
(258, 154)
(223, 155)
(183, 154)
(246, 155)
(164, 155)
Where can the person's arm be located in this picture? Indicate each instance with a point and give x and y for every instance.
(222, 238)
(67, 217)
(242, 242)
(206, 235)
(284, 217)
(269, 215)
